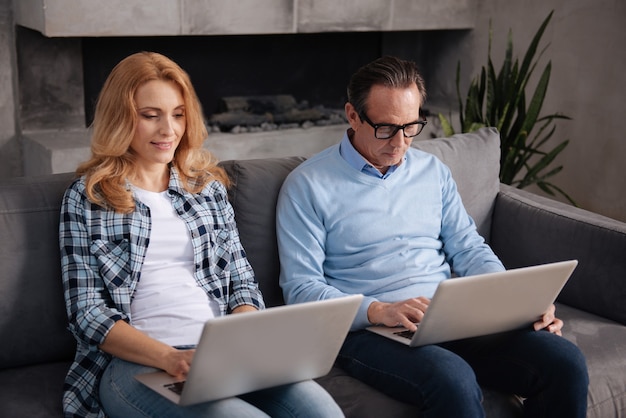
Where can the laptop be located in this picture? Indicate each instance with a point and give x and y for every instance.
(250, 351)
(485, 304)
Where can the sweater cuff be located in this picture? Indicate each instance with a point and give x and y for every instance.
(361, 321)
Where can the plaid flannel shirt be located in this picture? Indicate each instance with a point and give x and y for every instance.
(102, 253)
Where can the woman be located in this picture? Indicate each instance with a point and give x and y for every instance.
(151, 203)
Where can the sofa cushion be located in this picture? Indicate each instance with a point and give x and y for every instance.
(360, 400)
(32, 313)
(253, 196)
(602, 341)
(474, 160)
(33, 391)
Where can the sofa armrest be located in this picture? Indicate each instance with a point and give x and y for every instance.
(528, 229)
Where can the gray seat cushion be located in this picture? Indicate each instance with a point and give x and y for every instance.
(33, 391)
(602, 341)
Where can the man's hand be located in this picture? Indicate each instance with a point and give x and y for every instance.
(405, 313)
(549, 322)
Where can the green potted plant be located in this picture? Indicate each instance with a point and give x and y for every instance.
(499, 100)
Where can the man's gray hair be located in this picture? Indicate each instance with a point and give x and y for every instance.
(387, 71)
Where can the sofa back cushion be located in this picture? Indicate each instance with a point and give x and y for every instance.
(474, 160)
(253, 196)
(33, 323)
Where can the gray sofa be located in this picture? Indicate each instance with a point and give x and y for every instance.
(524, 229)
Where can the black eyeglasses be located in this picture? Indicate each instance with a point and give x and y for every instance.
(388, 130)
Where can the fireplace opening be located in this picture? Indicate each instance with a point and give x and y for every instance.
(240, 114)
(310, 69)
(60, 78)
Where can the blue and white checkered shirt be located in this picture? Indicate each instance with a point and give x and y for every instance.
(102, 253)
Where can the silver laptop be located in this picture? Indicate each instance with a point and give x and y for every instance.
(485, 304)
(250, 351)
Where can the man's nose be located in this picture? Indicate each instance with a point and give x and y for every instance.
(398, 139)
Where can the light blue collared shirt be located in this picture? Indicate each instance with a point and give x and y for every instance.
(358, 162)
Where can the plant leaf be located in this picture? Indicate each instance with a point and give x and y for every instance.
(448, 130)
(498, 98)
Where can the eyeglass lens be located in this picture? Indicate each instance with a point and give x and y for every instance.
(387, 131)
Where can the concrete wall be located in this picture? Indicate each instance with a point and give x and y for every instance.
(10, 152)
(64, 18)
(586, 46)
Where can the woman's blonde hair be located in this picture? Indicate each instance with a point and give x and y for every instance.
(114, 125)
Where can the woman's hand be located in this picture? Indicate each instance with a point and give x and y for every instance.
(405, 313)
(128, 343)
(178, 362)
(244, 308)
(549, 322)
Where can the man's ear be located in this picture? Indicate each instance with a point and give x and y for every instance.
(353, 116)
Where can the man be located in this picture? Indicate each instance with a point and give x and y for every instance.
(371, 215)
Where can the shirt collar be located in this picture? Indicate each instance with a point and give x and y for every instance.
(175, 183)
(357, 161)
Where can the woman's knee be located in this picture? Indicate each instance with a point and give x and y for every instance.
(305, 398)
(120, 394)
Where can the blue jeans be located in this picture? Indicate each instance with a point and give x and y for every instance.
(443, 380)
(122, 396)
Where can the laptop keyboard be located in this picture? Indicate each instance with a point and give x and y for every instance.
(176, 387)
(406, 334)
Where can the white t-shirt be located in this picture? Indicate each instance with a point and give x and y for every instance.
(168, 304)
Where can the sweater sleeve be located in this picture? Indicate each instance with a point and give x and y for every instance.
(466, 251)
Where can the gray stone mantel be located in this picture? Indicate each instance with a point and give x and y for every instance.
(61, 151)
(86, 18)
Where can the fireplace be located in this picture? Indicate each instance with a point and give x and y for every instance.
(63, 62)
(311, 68)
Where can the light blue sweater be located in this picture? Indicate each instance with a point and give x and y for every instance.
(343, 231)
